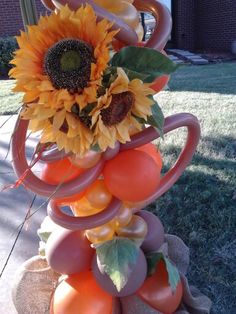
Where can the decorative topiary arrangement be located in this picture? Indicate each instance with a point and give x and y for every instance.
(96, 116)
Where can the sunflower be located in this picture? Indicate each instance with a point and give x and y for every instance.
(59, 68)
(119, 109)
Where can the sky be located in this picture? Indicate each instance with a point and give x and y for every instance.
(167, 3)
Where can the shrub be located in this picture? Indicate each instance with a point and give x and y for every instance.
(7, 46)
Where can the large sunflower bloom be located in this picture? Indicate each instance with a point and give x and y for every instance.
(118, 108)
(59, 66)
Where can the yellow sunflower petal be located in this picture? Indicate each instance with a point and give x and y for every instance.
(31, 96)
(58, 119)
(72, 121)
(52, 106)
(105, 135)
(44, 113)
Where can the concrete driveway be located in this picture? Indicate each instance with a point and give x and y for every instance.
(16, 243)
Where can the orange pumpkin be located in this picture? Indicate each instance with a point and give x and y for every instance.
(157, 292)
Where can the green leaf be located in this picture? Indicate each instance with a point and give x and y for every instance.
(96, 148)
(173, 274)
(116, 258)
(135, 75)
(157, 118)
(86, 110)
(43, 235)
(139, 119)
(145, 61)
(152, 260)
(109, 76)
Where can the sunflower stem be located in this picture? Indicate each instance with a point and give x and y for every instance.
(28, 12)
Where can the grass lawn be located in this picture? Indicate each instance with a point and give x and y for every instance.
(9, 101)
(201, 206)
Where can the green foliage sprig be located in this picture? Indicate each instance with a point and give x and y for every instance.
(173, 274)
(116, 258)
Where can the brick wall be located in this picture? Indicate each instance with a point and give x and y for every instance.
(198, 24)
(10, 17)
(183, 24)
(215, 24)
(204, 25)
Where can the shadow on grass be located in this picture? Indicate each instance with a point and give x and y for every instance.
(218, 78)
(200, 208)
(223, 145)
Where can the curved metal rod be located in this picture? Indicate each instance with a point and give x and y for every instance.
(83, 223)
(171, 123)
(126, 33)
(163, 19)
(35, 184)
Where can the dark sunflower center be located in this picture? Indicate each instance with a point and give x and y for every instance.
(118, 109)
(70, 61)
(68, 64)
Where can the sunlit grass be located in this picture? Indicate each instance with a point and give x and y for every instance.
(201, 206)
(9, 101)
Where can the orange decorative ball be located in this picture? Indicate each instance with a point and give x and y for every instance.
(80, 293)
(117, 44)
(90, 159)
(83, 208)
(61, 171)
(132, 176)
(70, 199)
(68, 252)
(98, 195)
(160, 83)
(100, 234)
(157, 292)
(135, 229)
(135, 280)
(152, 151)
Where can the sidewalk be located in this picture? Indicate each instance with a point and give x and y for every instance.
(14, 204)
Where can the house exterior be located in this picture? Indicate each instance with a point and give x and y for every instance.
(197, 24)
(204, 25)
(10, 17)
